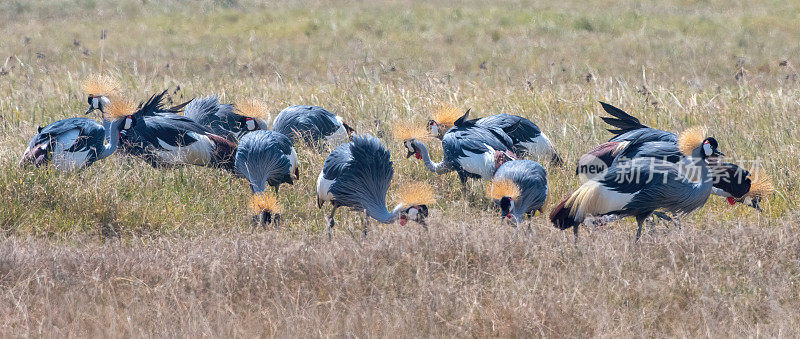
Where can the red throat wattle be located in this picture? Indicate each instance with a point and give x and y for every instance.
(731, 200)
(418, 156)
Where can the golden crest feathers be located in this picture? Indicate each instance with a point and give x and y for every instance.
(253, 108)
(120, 107)
(499, 188)
(692, 138)
(447, 115)
(99, 84)
(760, 185)
(407, 131)
(265, 201)
(416, 193)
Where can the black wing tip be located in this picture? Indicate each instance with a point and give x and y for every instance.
(178, 108)
(464, 118)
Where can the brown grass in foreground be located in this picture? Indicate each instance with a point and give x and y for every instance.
(457, 279)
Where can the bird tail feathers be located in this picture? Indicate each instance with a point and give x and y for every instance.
(224, 153)
(572, 210)
(624, 122)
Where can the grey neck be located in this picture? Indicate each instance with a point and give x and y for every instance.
(112, 136)
(438, 167)
(382, 215)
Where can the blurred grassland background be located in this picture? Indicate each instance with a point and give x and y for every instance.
(730, 65)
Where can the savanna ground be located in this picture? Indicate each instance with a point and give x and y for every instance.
(124, 249)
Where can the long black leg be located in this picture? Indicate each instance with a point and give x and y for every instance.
(366, 224)
(463, 179)
(331, 221)
(276, 221)
(575, 233)
(640, 220)
(662, 215)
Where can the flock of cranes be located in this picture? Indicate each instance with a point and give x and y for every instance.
(638, 172)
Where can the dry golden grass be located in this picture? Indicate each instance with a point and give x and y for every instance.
(124, 249)
(458, 279)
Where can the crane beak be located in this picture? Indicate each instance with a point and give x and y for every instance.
(752, 202)
(90, 110)
(410, 153)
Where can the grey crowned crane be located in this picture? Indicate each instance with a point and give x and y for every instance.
(266, 209)
(729, 179)
(357, 175)
(312, 124)
(163, 138)
(75, 143)
(266, 158)
(470, 150)
(99, 88)
(640, 186)
(519, 187)
(229, 121)
(525, 135)
(738, 185)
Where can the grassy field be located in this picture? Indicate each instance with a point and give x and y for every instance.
(124, 249)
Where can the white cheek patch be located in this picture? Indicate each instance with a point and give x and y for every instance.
(128, 123)
(435, 129)
(408, 145)
(413, 213)
(511, 206)
(707, 148)
(251, 125)
(96, 102)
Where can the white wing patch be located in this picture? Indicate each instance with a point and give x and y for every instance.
(68, 161)
(337, 137)
(479, 163)
(324, 188)
(198, 153)
(539, 146)
(292, 161)
(592, 198)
